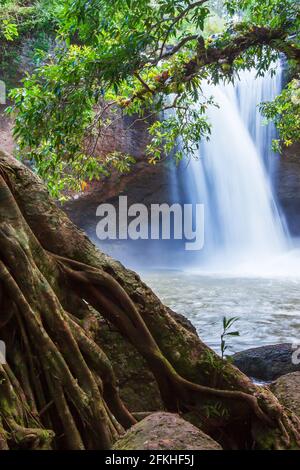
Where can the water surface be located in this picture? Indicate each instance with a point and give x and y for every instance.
(268, 308)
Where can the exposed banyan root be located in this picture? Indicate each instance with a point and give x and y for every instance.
(17, 425)
(62, 364)
(103, 292)
(58, 380)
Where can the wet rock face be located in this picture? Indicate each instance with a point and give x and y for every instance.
(146, 184)
(287, 390)
(267, 362)
(6, 138)
(288, 187)
(165, 431)
(126, 134)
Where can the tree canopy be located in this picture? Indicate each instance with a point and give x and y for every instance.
(145, 57)
(72, 317)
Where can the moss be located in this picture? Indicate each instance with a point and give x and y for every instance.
(138, 388)
(6, 407)
(165, 431)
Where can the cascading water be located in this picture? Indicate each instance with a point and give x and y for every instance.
(248, 268)
(251, 91)
(233, 176)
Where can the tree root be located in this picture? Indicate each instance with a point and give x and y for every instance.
(114, 303)
(66, 384)
(70, 365)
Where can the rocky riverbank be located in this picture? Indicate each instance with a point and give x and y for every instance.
(267, 363)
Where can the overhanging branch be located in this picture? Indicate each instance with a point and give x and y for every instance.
(276, 39)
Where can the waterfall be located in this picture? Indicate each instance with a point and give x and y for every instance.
(258, 90)
(233, 176)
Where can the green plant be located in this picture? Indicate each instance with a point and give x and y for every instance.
(227, 324)
(284, 111)
(216, 410)
(10, 30)
(143, 58)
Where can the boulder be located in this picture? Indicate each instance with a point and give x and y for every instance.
(165, 431)
(266, 362)
(287, 390)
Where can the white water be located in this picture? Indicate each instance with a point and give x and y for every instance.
(232, 176)
(268, 309)
(251, 91)
(248, 267)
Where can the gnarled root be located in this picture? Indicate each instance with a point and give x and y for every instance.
(108, 297)
(62, 362)
(66, 384)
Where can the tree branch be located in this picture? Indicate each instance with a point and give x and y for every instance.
(177, 19)
(277, 39)
(176, 48)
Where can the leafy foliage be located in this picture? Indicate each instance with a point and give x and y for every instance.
(227, 325)
(27, 30)
(144, 57)
(23, 17)
(9, 30)
(272, 13)
(285, 112)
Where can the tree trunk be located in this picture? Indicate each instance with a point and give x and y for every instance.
(58, 388)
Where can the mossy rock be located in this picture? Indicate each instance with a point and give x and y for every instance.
(266, 362)
(287, 390)
(165, 431)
